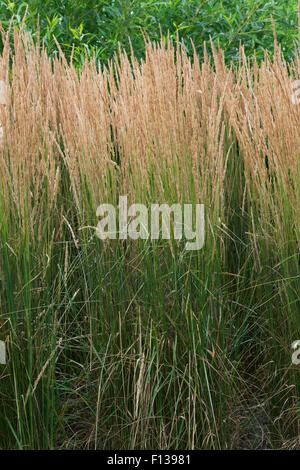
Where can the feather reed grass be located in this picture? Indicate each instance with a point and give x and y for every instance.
(139, 344)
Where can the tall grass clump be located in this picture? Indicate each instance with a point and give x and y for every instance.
(265, 119)
(140, 344)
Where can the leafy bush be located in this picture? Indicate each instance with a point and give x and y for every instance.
(98, 26)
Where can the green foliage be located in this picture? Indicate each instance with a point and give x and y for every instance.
(99, 26)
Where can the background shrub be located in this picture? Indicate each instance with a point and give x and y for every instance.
(98, 26)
